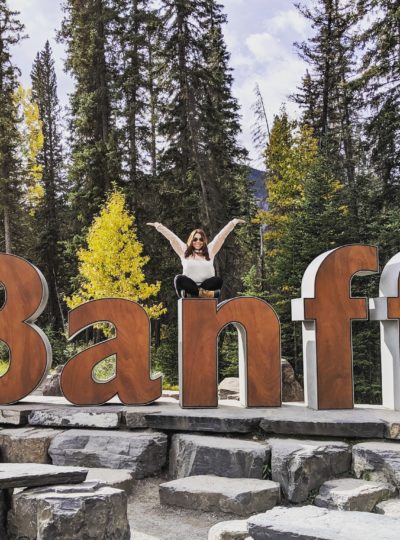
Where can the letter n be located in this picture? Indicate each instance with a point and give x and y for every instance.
(200, 323)
(327, 310)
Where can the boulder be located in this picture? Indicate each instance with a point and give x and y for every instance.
(389, 508)
(193, 455)
(17, 475)
(312, 523)
(115, 478)
(241, 496)
(301, 466)
(353, 494)
(26, 445)
(292, 390)
(229, 530)
(142, 452)
(51, 385)
(378, 461)
(79, 512)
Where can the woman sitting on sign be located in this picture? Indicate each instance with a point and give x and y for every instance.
(197, 257)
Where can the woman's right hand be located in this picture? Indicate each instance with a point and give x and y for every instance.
(153, 224)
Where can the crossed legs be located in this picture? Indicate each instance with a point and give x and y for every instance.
(182, 282)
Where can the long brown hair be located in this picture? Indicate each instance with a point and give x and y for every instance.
(190, 249)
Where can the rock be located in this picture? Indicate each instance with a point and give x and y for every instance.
(115, 478)
(378, 461)
(15, 475)
(80, 512)
(300, 420)
(312, 523)
(193, 455)
(26, 445)
(229, 530)
(51, 386)
(137, 535)
(228, 388)
(292, 390)
(14, 417)
(93, 417)
(389, 508)
(353, 494)
(4, 506)
(241, 496)
(142, 452)
(302, 466)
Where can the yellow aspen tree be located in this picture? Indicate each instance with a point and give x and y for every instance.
(112, 264)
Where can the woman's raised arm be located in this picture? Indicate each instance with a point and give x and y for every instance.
(217, 242)
(177, 245)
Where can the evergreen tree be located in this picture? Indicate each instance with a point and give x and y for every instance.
(10, 190)
(95, 161)
(49, 211)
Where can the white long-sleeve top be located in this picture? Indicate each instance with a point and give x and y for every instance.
(195, 267)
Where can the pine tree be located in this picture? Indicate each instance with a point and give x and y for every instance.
(112, 264)
(94, 155)
(10, 190)
(49, 212)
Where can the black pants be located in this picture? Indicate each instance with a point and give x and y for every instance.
(182, 282)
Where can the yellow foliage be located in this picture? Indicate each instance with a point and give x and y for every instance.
(32, 143)
(112, 264)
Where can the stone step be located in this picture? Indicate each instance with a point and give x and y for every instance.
(379, 461)
(389, 508)
(116, 478)
(301, 466)
(229, 530)
(241, 496)
(26, 444)
(310, 522)
(16, 475)
(142, 452)
(83, 511)
(86, 417)
(193, 455)
(353, 494)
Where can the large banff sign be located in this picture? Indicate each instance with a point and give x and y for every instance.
(326, 309)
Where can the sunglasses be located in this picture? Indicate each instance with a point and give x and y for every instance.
(198, 240)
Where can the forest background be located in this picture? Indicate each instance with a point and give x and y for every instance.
(153, 133)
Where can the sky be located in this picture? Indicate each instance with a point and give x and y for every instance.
(259, 35)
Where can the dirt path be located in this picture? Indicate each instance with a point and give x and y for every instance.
(151, 521)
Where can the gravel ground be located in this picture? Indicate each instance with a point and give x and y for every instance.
(151, 521)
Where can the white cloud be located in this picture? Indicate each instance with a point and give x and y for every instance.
(265, 47)
(286, 21)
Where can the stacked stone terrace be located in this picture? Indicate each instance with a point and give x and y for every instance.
(285, 473)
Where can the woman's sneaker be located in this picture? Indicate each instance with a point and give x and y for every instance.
(204, 293)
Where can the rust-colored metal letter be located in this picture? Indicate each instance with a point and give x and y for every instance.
(327, 309)
(30, 352)
(200, 322)
(131, 345)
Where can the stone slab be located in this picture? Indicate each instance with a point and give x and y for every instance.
(80, 512)
(377, 460)
(312, 523)
(192, 455)
(352, 494)
(116, 478)
(88, 417)
(390, 508)
(15, 475)
(241, 496)
(26, 444)
(143, 452)
(301, 466)
(300, 420)
(165, 414)
(229, 530)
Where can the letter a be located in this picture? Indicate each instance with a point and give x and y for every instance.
(131, 345)
(327, 309)
(200, 323)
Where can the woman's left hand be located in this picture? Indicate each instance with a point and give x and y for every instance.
(237, 221)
